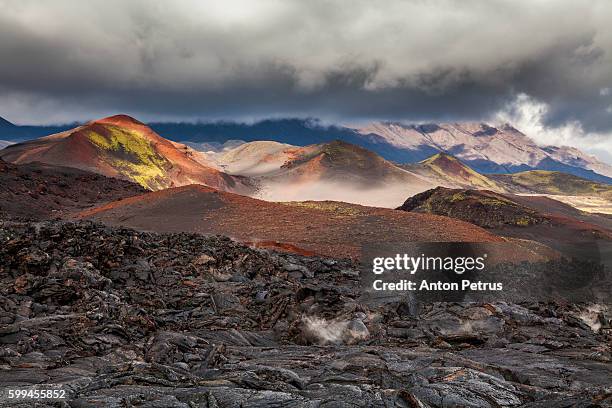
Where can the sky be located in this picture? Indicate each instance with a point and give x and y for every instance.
(543, 65)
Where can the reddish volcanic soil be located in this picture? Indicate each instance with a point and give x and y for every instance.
(326, 228)
(40, 191)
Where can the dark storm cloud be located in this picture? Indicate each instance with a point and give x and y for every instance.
(342, 61)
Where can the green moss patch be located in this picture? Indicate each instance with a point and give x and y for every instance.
(131, 155)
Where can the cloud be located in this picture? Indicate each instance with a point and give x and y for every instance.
(528, 115)
(438, 60)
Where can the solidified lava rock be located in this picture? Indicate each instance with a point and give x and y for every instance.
(121, 318)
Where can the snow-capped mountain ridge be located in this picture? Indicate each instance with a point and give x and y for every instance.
(488, 148)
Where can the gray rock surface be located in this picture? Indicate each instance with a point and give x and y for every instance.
(122, 318)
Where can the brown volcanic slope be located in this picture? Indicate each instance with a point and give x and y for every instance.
(512, 216)
(448, 171)
(345, 162)
(338, 171)
(40, 191)
(120, 146)
(552, 182)
(552, 207)
(328, 228)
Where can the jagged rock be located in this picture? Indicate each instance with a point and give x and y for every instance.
(123, 318)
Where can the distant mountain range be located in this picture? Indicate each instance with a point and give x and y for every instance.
(15, 133)
(122, 147)
(487, 149)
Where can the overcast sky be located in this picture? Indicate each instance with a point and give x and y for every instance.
(544, 64)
